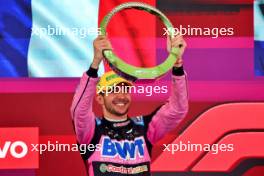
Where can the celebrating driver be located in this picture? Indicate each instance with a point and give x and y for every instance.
(122, 144)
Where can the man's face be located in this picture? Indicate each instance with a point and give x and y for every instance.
(117, 103)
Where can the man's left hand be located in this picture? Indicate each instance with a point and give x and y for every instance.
(177, 42)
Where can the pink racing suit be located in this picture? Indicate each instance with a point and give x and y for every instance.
(123, 148)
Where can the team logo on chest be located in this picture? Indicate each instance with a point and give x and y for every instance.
(124, 149)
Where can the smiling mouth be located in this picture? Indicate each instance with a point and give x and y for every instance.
(120, 103)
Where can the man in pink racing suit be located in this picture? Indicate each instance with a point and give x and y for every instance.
(122, 144)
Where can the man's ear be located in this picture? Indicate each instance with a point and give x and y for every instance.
(100, 99)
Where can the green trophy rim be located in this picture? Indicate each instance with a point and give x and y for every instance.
(133, 71)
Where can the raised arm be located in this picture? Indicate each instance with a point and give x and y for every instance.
(173, 111)
(81, 109)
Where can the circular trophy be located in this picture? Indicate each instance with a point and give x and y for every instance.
(131, 72)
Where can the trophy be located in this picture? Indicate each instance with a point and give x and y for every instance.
(131, 72)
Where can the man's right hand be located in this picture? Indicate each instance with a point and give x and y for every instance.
(100, 43)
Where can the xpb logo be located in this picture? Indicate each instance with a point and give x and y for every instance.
(15, 150)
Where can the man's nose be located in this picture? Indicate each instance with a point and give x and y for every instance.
(120, 95)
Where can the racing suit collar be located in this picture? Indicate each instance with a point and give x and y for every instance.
(114, 120)
(116, 124)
